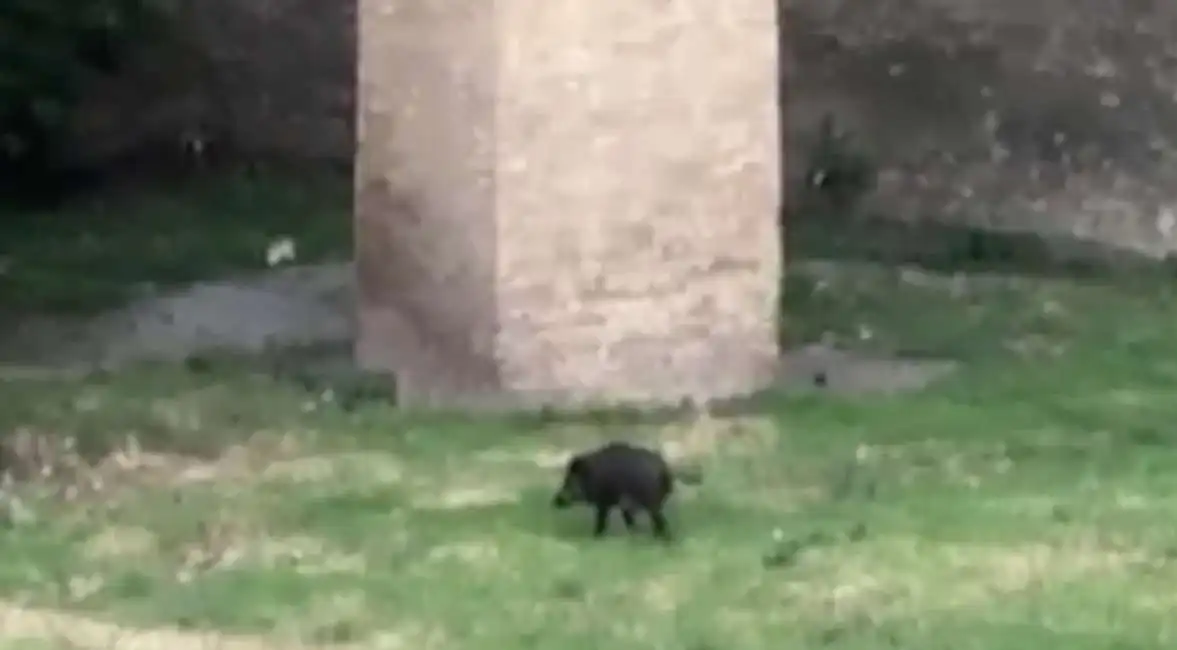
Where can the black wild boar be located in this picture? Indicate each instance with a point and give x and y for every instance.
(619, 475)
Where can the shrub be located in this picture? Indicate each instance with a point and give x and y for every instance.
(49, 51)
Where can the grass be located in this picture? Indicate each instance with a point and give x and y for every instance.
(75, 259)
(1026, 501)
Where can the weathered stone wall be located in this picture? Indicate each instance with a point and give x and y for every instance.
(1053, 115)
(1045, 115)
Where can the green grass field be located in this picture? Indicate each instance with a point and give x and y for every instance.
(1028, 501)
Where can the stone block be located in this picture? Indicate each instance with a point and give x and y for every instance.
(568, 202)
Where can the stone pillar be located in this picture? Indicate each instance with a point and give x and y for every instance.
(562, 201)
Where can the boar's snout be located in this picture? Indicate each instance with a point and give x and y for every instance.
(572, 488)
(570, 493)
(561, 500)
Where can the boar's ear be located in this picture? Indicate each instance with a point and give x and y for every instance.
(578, 466)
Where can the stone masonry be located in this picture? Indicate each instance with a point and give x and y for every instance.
(568, 202)
(1052, 116)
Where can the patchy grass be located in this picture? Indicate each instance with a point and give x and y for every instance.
(1025, 502)
(100, 252)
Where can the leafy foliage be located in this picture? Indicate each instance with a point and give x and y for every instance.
(49, 50)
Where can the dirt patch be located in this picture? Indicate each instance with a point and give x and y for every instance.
(312, 306)
(19, 622)
(706, 435)
(902, 579)
(307, 555)
(311, 469)
(369, 468)
(550, 458)
(121, 542)
(460, 498)
(34, 456)
(292, 306)
(475, 553)
(846, 372)
(664, 594)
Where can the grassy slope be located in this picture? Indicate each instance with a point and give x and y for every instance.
(1026, 502)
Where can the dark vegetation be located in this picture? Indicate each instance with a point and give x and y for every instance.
(50, 51)
(68, 222)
